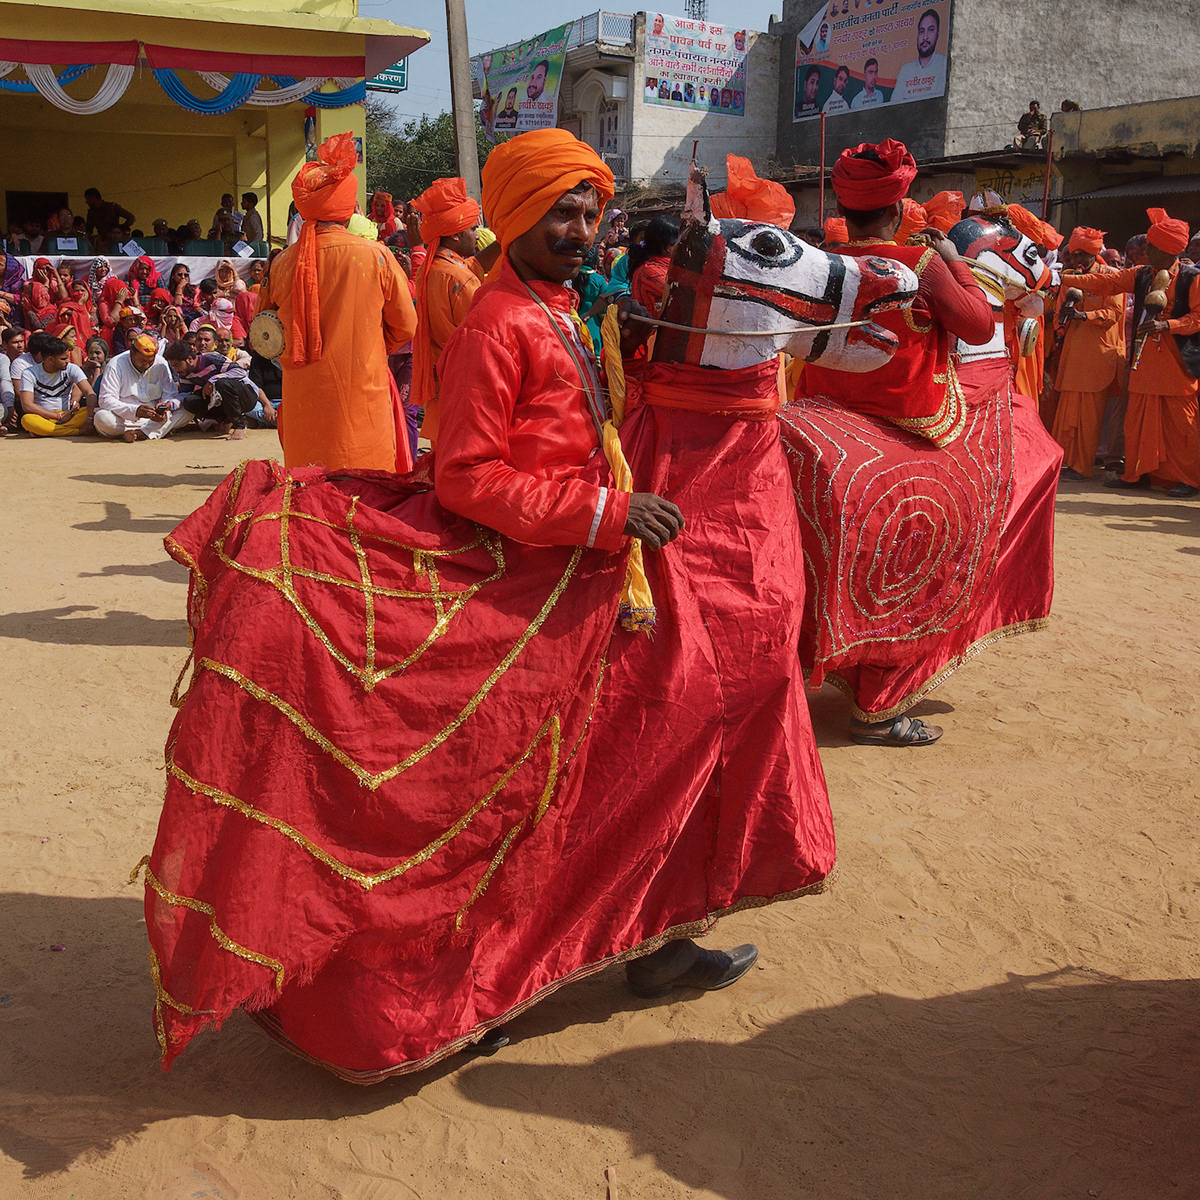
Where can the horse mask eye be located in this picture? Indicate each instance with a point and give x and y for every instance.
(768, 243)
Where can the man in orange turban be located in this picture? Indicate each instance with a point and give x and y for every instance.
(836, 233)
(446, 285)
(1162, 432)
(1091, 358)
(345, 306)
(1029, 369)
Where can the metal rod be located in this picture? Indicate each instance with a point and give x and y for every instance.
(1049, 161)
(822, 186)
(743, 332)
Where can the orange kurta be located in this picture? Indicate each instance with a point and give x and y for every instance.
(450, 288)
(338, 410)
(1162, 435)
(1091, 360)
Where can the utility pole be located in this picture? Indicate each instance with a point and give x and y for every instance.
(461, 101)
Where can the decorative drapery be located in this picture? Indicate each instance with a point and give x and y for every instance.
(289, 89)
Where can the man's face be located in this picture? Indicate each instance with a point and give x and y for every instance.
(32, 229)
(1034, 108)
(927, 36)
(227, 201)
(839, 82)
(511, 98)
(143, 362)
(16, 346)
(92, 201)
(206, 341)
(185, 366)
(131, 321)
(1160, 260)
(52, 364)
(810, 88)
(160, 229)
(224, 340)
(658, 24)
(871, 77)
(554, 248)
(195, 230)
(537, 83)
(1080, 260)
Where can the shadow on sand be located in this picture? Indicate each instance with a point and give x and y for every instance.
(61, 627)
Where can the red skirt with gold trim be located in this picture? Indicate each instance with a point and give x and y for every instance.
(916, 558)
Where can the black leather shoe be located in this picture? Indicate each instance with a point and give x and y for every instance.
(683, 964)
(493, 1040)
(1141, 484)
(1183, 491)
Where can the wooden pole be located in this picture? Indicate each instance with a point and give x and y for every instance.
(822, 192)
(1049, 161)
(270, 194)
(465, 146)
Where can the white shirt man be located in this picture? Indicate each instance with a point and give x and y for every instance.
(52, 394)
(925, 76)
(870, 95)
(137, 395)
(837, 101)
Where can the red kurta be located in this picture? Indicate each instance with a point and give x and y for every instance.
(479, 787)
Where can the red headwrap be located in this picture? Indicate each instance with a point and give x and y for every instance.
(445, 209)
(913, 221)
(869, 177)
(153, 279)
(1034, 228)
(1169, 235)
(1090, 241)
(388, 224)
(752, 199)
(836, 232)
(525, 176)
(325, 190)
(945, 210)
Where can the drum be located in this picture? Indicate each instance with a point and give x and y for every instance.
(1029, 337)
(266, 335)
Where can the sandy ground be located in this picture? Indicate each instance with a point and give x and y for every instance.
(1001, 998)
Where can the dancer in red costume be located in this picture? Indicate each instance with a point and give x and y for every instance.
(475, 786)
(910, 483)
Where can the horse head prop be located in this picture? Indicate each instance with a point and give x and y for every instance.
(1008, 266)
(744, 291)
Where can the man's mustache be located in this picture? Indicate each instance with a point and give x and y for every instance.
(570, 246)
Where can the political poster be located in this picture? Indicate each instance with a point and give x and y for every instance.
(856, 55)
(695, 64)
(519, 83)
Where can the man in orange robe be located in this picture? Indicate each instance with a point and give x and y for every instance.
(1162, 436)
(345, 307)
(446, 285)
(1092, 350)
(1029, 369)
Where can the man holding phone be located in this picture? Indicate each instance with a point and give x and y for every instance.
(51, 393)
(137, 396)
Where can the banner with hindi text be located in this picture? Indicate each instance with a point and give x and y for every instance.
(695, 64)
(519, 83)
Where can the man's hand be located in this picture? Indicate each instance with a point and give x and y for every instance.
(146, 412)
(1073, 314)
(633, 333)
(206, 392)
(655, 520)
(945, 248)
(67, 414)
(1150, 327)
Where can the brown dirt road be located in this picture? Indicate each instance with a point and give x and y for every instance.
(1000, 999)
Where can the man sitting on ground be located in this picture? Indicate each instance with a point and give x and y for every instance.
(17, 365)
(52, 391)
(14, 347)
(212, 387)
(137, 396)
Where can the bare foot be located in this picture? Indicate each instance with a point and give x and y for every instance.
(221, 428)
(130, 435)
(236, 435)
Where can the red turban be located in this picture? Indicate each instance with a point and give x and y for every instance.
(445, 209)
(526, 175)
(1034, 228)
(325, 190)
(1169, 235)
(836, 231)
(1090, 241)
(870, 177)
(752, 199)
(945, 210)
(913, 221)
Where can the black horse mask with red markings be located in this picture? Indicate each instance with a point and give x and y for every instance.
(747, 291)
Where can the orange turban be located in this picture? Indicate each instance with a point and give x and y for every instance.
(1034, 228)
(752, 199)
(325, 190)
(868, 177)
(445, 209)
(1169, 235)
(1090, 241)
(913, 221)
(945, 210)
(836, 231)
(524, 176)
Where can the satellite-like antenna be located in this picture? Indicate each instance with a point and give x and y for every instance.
(696, 10)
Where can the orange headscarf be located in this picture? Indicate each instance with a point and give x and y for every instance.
(752, 199)
(945, 210)
(445, 209)
(1033, 227)
(325, 190)
(1168, 234)
(837, 232)
(526, 175)
(913, 221)
(1090, 241)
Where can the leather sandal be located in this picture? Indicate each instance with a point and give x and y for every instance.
(903, 731)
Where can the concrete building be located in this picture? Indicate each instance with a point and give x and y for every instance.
(152, 154)
(1099, 53)
(602, 100)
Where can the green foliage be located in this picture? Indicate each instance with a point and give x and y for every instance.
(405, 157)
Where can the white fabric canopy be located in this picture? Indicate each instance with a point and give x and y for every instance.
(270, 97)
(110, 91)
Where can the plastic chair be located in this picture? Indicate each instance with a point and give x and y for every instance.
(153, 246)
(205, 248)
(83, 248)
(261, 249)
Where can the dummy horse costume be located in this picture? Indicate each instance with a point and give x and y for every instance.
(917, 558)
(421, 776)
